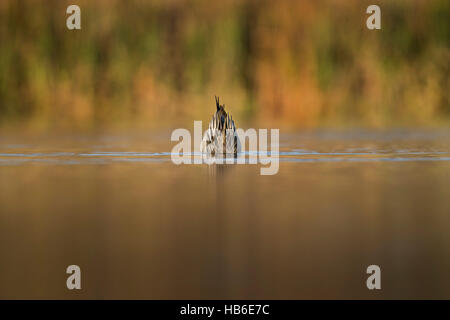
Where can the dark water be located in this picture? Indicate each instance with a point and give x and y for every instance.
(141, 227)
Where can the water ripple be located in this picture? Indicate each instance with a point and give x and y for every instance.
(294, 155)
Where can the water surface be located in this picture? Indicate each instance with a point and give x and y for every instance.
(141, 227)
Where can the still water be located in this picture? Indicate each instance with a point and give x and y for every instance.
(141, 227)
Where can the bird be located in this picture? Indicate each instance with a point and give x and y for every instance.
(221, 136)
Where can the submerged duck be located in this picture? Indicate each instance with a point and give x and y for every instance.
(221, 136)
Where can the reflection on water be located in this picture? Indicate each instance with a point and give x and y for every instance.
(142, 227)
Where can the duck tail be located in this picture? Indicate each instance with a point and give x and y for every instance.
(217, 102)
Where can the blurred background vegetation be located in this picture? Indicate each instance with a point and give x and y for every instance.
(277, 63)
